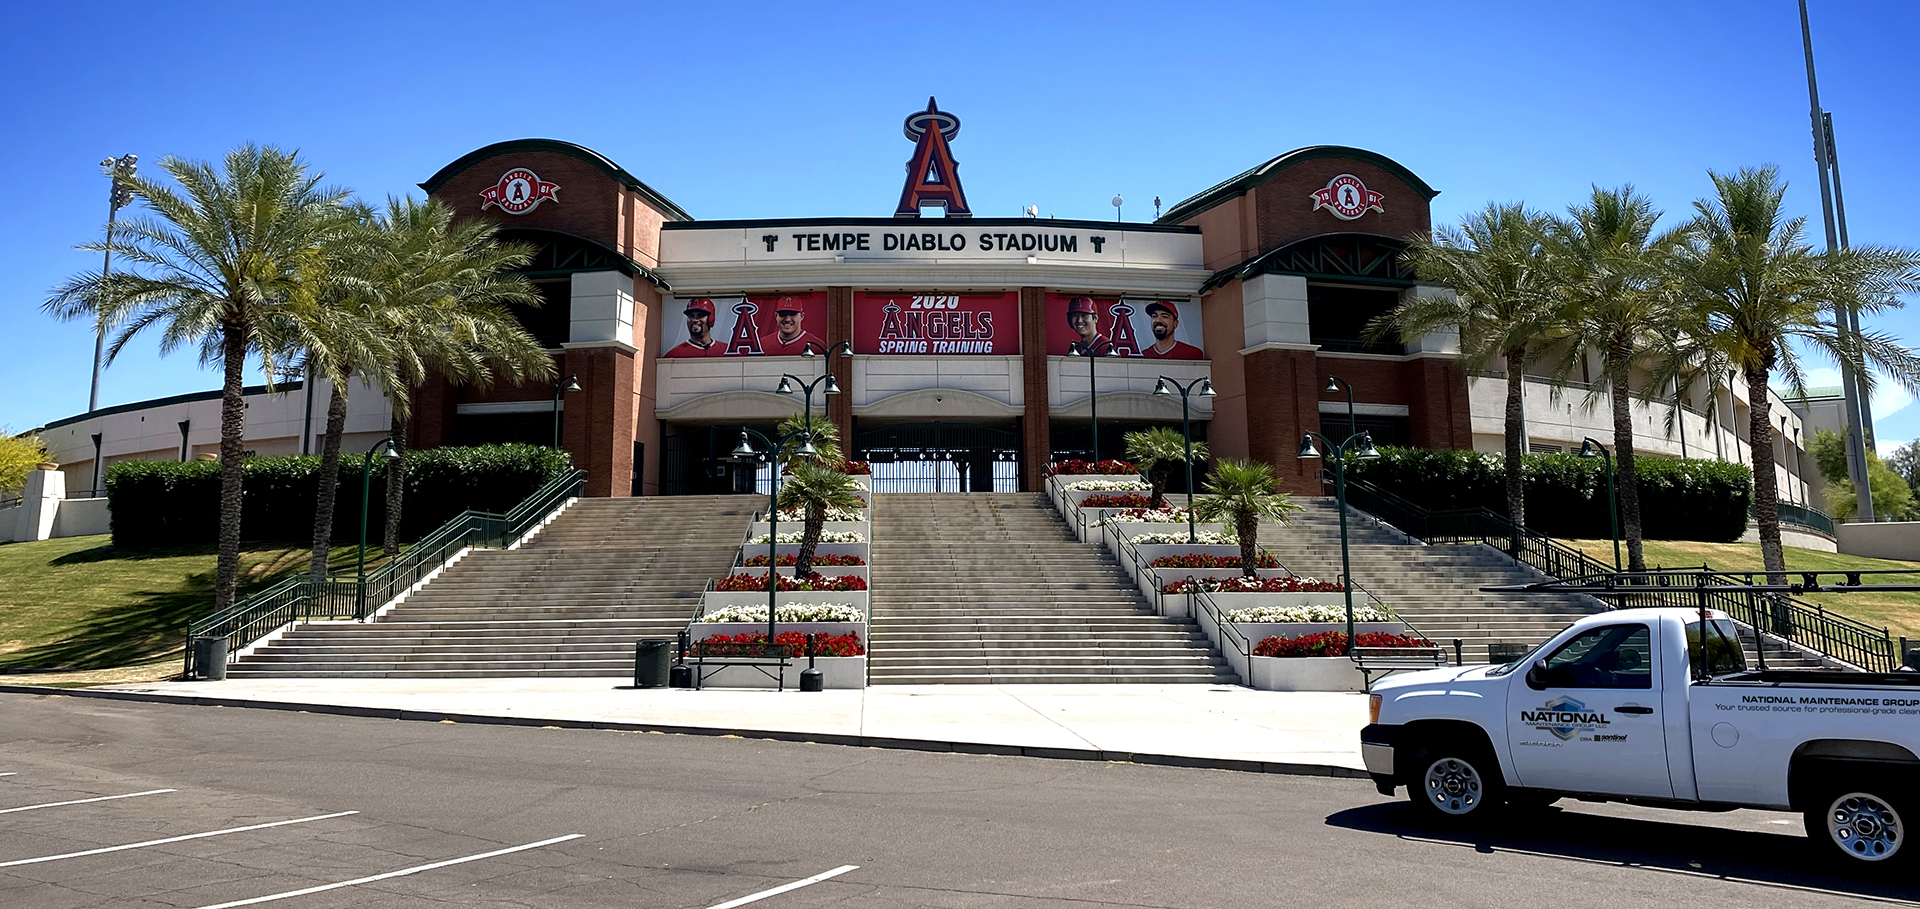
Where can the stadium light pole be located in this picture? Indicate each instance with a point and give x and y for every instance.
(1168, 386)
(1339, 455)
(1093, 353)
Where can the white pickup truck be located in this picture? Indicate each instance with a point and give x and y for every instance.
(1621, 706)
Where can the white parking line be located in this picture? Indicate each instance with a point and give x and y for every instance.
(104, 798)
(6, 774)
(171, 839)
(401, 873)
(843, 869)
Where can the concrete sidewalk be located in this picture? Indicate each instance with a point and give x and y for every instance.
(1201, 725)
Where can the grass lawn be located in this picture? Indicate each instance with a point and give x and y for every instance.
(1899, 613)
(80, 606)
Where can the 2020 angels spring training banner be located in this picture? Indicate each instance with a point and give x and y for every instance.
(936, 324)
(744, 326)
(1151, 327)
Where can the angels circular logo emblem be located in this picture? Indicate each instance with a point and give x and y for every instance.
(518, 192)
(1346, 198)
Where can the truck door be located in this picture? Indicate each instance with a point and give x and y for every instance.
(1591, 721)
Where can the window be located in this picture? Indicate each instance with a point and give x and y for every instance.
(1613, 656)
(1724, 652)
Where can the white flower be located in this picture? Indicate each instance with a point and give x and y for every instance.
(1146, 516)
(827, 536)
(1120, 485)
(1317, 612)
(796, 515)
(792, 612)
(1206, 538)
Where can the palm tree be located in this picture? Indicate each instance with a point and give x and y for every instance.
(1607, 265)
(221, 268)
(824, 435)
(815, 487)
(1241, 493)
(449, 289)
(1155, 451)
(1495, 262)
(1754, 286)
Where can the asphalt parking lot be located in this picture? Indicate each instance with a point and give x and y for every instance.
(153, 805)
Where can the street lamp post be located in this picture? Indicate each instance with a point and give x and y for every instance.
(745, 451)
(806, 391)
(1335, 383)
(1093, 353)
(121, 169)
(1339, 455)
(833, 387)
(1168, 386)
(1591, 449)
(570, 383)
(366, 486)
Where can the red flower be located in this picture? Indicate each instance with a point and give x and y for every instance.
(814, 581)
(795, 642)
(790, 560)
(1253, 585)
(1077, 466)
(1118, 500)
(1266, 560)
(1332, 644)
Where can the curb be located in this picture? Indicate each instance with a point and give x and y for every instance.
(818, 738)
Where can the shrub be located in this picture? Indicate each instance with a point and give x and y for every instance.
(795, 642)
(1332, 644)
(816, 581)
(1680, 498)
(171, 503)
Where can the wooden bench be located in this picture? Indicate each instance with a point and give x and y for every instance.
(707, 658)
(1389, 660)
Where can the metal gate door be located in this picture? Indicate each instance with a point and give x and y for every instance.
(941, 457)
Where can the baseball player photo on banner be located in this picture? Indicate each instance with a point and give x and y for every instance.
(741, 326)
(1157, 328)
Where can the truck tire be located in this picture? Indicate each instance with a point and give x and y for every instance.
(1866, 822)
(1454, 782)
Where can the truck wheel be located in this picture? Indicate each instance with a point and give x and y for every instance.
(1454, 782)
(1868, 824)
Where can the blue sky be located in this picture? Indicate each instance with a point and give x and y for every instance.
(739, 111)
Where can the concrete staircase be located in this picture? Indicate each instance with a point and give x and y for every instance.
(571, 602)
(992, 588)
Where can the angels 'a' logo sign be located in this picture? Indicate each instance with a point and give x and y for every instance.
(518, 192)
(1346, 198)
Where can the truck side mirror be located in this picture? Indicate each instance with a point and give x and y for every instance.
(1537, 676)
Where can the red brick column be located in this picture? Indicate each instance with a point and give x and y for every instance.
(840, 328)
(598, 427)
(432, 415)
(1283, 401)
(1036, 433)
(1441, 414)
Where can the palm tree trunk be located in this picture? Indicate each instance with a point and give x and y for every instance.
(327, 490)
(810, 540)
(1516, 430)
(1626, 479)
(233, 412)
(396, 486)
(1160, 473)
(1766, 487)
(1248, 527)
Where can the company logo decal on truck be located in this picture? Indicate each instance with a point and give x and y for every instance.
(1565, 717)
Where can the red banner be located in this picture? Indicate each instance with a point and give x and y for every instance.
(756, 326)
(1155, 328)
(936, 324)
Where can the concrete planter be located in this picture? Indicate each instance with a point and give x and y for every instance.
(1152, 579)
(835, 672)
(720, 599)
(1097, 533)
(705, 630)
(863, 528)
(1306, 674)
(859, 571)
(1229, 602)
(793, 549)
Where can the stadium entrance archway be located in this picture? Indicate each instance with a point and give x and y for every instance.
(940, 456)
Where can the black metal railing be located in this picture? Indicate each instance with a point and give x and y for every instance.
(1801, 515)
(343, 596)
(1771, 615)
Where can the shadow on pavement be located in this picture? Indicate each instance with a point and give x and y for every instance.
(1781, 860)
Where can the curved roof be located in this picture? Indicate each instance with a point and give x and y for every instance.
(1238, 185)
(558, 147)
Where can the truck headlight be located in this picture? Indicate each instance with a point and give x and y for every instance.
(1373, 708)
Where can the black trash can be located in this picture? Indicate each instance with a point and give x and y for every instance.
(651, 662)
(210, 658)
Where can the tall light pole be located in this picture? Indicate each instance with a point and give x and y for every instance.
(570, 383)
(1844, 317)
(121, 170)
(833, 388)
(1168, 386)
(1591, 449)
(1093, 353)
(1339, 455)
(806, 391)
(744, 451)
(366, 485)
(1334, 384)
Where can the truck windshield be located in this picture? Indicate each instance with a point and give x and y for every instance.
(1724, 654)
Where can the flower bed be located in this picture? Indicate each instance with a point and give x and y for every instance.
(1117, 500)
(850, 468)
(1317, 612)
(1331, 644)
(787, 612)
(1253, 585)
(1204, 537)
(796, 515)
(1206, 560)
(814, 581)
(795, 643)
(715, 600)
(787, 560)
(1074, 466)
(836, 671)
(1107, 486)
(1143, 515)
(827, 536)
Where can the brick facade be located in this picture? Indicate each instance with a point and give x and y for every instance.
(1035, 429)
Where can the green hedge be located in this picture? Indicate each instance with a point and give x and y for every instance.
(170, 503)
(1680, 499)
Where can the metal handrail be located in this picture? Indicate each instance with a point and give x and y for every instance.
(1198, 599)
(339, 596)
(1790, 621)
(1810, 518)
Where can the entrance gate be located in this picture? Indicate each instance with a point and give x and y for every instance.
(940, 457)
